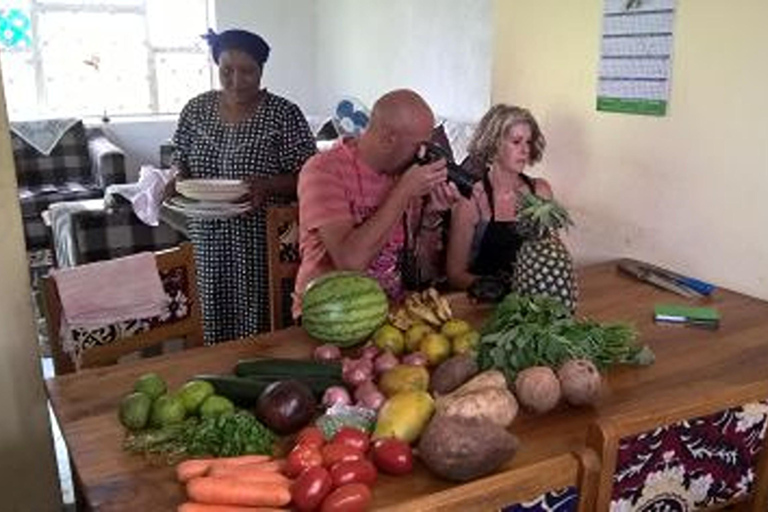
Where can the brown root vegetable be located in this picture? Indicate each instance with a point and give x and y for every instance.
(487, 379)
(463, 449)
(580, 382)
(494, 405)
(452, 373)
(538, 389)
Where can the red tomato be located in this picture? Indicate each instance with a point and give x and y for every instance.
(348, 498)
(301, 458)
(353, 472)
(393, 456)
(311, 436)
(333, 453)
(311, 488)
(353, 437)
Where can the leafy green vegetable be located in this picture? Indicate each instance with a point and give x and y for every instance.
(227, 435)
(531, 331)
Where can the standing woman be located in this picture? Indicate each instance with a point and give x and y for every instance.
(240, 132)
(483, 240)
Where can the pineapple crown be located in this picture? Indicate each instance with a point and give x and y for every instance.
(538, 217)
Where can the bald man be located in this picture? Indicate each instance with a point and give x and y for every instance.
(359, 201)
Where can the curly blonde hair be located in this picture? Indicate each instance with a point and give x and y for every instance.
(495, 125)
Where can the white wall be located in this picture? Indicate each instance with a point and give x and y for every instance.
(27, 466)
(140, 139)
(687, 190)
(289, 28)
(440, 48)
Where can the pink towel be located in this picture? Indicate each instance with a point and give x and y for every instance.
(111, 291)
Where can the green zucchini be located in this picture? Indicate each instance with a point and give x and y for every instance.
(240, 390)
(288, 368)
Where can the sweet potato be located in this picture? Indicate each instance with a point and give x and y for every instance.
(452, 373)
(494, 405)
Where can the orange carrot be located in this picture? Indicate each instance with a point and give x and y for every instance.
(202, 507)
(256, 476)
(221, 470)
(192, 468)
(242, 459)
(230, 491)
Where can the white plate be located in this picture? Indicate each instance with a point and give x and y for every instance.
(183, 202)
(209, 195)
(219, 213)
(212, 183)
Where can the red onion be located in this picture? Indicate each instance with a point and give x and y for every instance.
(368, 395)
(327, 352)
(370, 352)
(415, 359)
(336, 395)
(385, 362)
(356, 371)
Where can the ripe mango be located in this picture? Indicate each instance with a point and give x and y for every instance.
(404, 416)
(404, 377)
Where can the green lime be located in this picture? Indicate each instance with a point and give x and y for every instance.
(151, 384)
(134, 411)
(167, 410)
(216, 405)
(194, 393)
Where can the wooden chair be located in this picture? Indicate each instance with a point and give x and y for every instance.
(569, 478)
(177, 271)
(667, 459)
(282, 261)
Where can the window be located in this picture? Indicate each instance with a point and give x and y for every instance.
(114, 57)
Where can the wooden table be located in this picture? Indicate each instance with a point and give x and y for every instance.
(690, 365)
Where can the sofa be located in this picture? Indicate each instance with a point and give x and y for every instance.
(80, 166)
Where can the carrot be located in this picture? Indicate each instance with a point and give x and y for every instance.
(202, 507)
(256, 476)
(230, 491)
(221, 470)
(242, 459)
(192, 468)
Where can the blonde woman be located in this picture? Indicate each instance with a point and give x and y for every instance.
(483, 240)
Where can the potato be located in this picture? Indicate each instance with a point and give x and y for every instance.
(487, 379)
(462, 449)
(580, 381)
(452, 373)
(495, 405)
(538, 389)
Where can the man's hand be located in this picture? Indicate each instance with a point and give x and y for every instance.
(443, 197)
(420, 180)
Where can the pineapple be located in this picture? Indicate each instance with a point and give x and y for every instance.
(544, 266)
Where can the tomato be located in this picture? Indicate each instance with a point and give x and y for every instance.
(301, 458)
(311, 436)
(311, 488)
(353, 437)
(348, 498)
(334, 452)
(353, 472)
(393, 456)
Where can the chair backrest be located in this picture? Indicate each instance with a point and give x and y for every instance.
(564, 482)
(283, 261)
(704, 454)
(105, 346)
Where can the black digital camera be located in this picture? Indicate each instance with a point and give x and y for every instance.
(430, 152)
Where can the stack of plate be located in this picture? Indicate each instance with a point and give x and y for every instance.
(210, 198)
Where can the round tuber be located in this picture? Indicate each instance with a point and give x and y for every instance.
(580, 382)
(538, 389)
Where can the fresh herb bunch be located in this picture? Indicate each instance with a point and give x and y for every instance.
(228, 435)
(539, 331)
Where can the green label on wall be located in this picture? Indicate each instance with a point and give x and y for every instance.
(632, 106)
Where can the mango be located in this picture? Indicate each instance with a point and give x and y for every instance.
(404, 416)
(404, 377)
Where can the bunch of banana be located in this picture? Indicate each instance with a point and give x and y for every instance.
(428, 306)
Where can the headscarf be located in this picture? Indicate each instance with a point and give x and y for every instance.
(242, 40)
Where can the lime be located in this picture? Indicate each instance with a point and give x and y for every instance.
(134, 411)
(151, 384)
(389, 337)
(455, 327)
(194, 393)
(216, 405)
(466, 342)
(436, 347)
(414, 334)
(167, 410)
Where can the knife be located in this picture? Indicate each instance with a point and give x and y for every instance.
(645, 274)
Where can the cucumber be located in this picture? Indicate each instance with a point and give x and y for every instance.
(318, 385)
(288, 368)
(240, 390)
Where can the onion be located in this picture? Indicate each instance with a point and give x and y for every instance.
(336, 395)
(368, 395)
(415, 359)
(327, 352)
(370, 352)
(356, 371)
(385, 362)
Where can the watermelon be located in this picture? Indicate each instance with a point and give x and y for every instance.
(343, 308)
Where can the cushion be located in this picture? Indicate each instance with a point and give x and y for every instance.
(35, 200)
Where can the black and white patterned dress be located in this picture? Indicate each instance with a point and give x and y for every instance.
(231, 253)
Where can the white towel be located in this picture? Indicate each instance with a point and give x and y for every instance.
(147, 194)
(43, 135)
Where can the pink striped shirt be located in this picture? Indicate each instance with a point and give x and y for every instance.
(337, 186)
